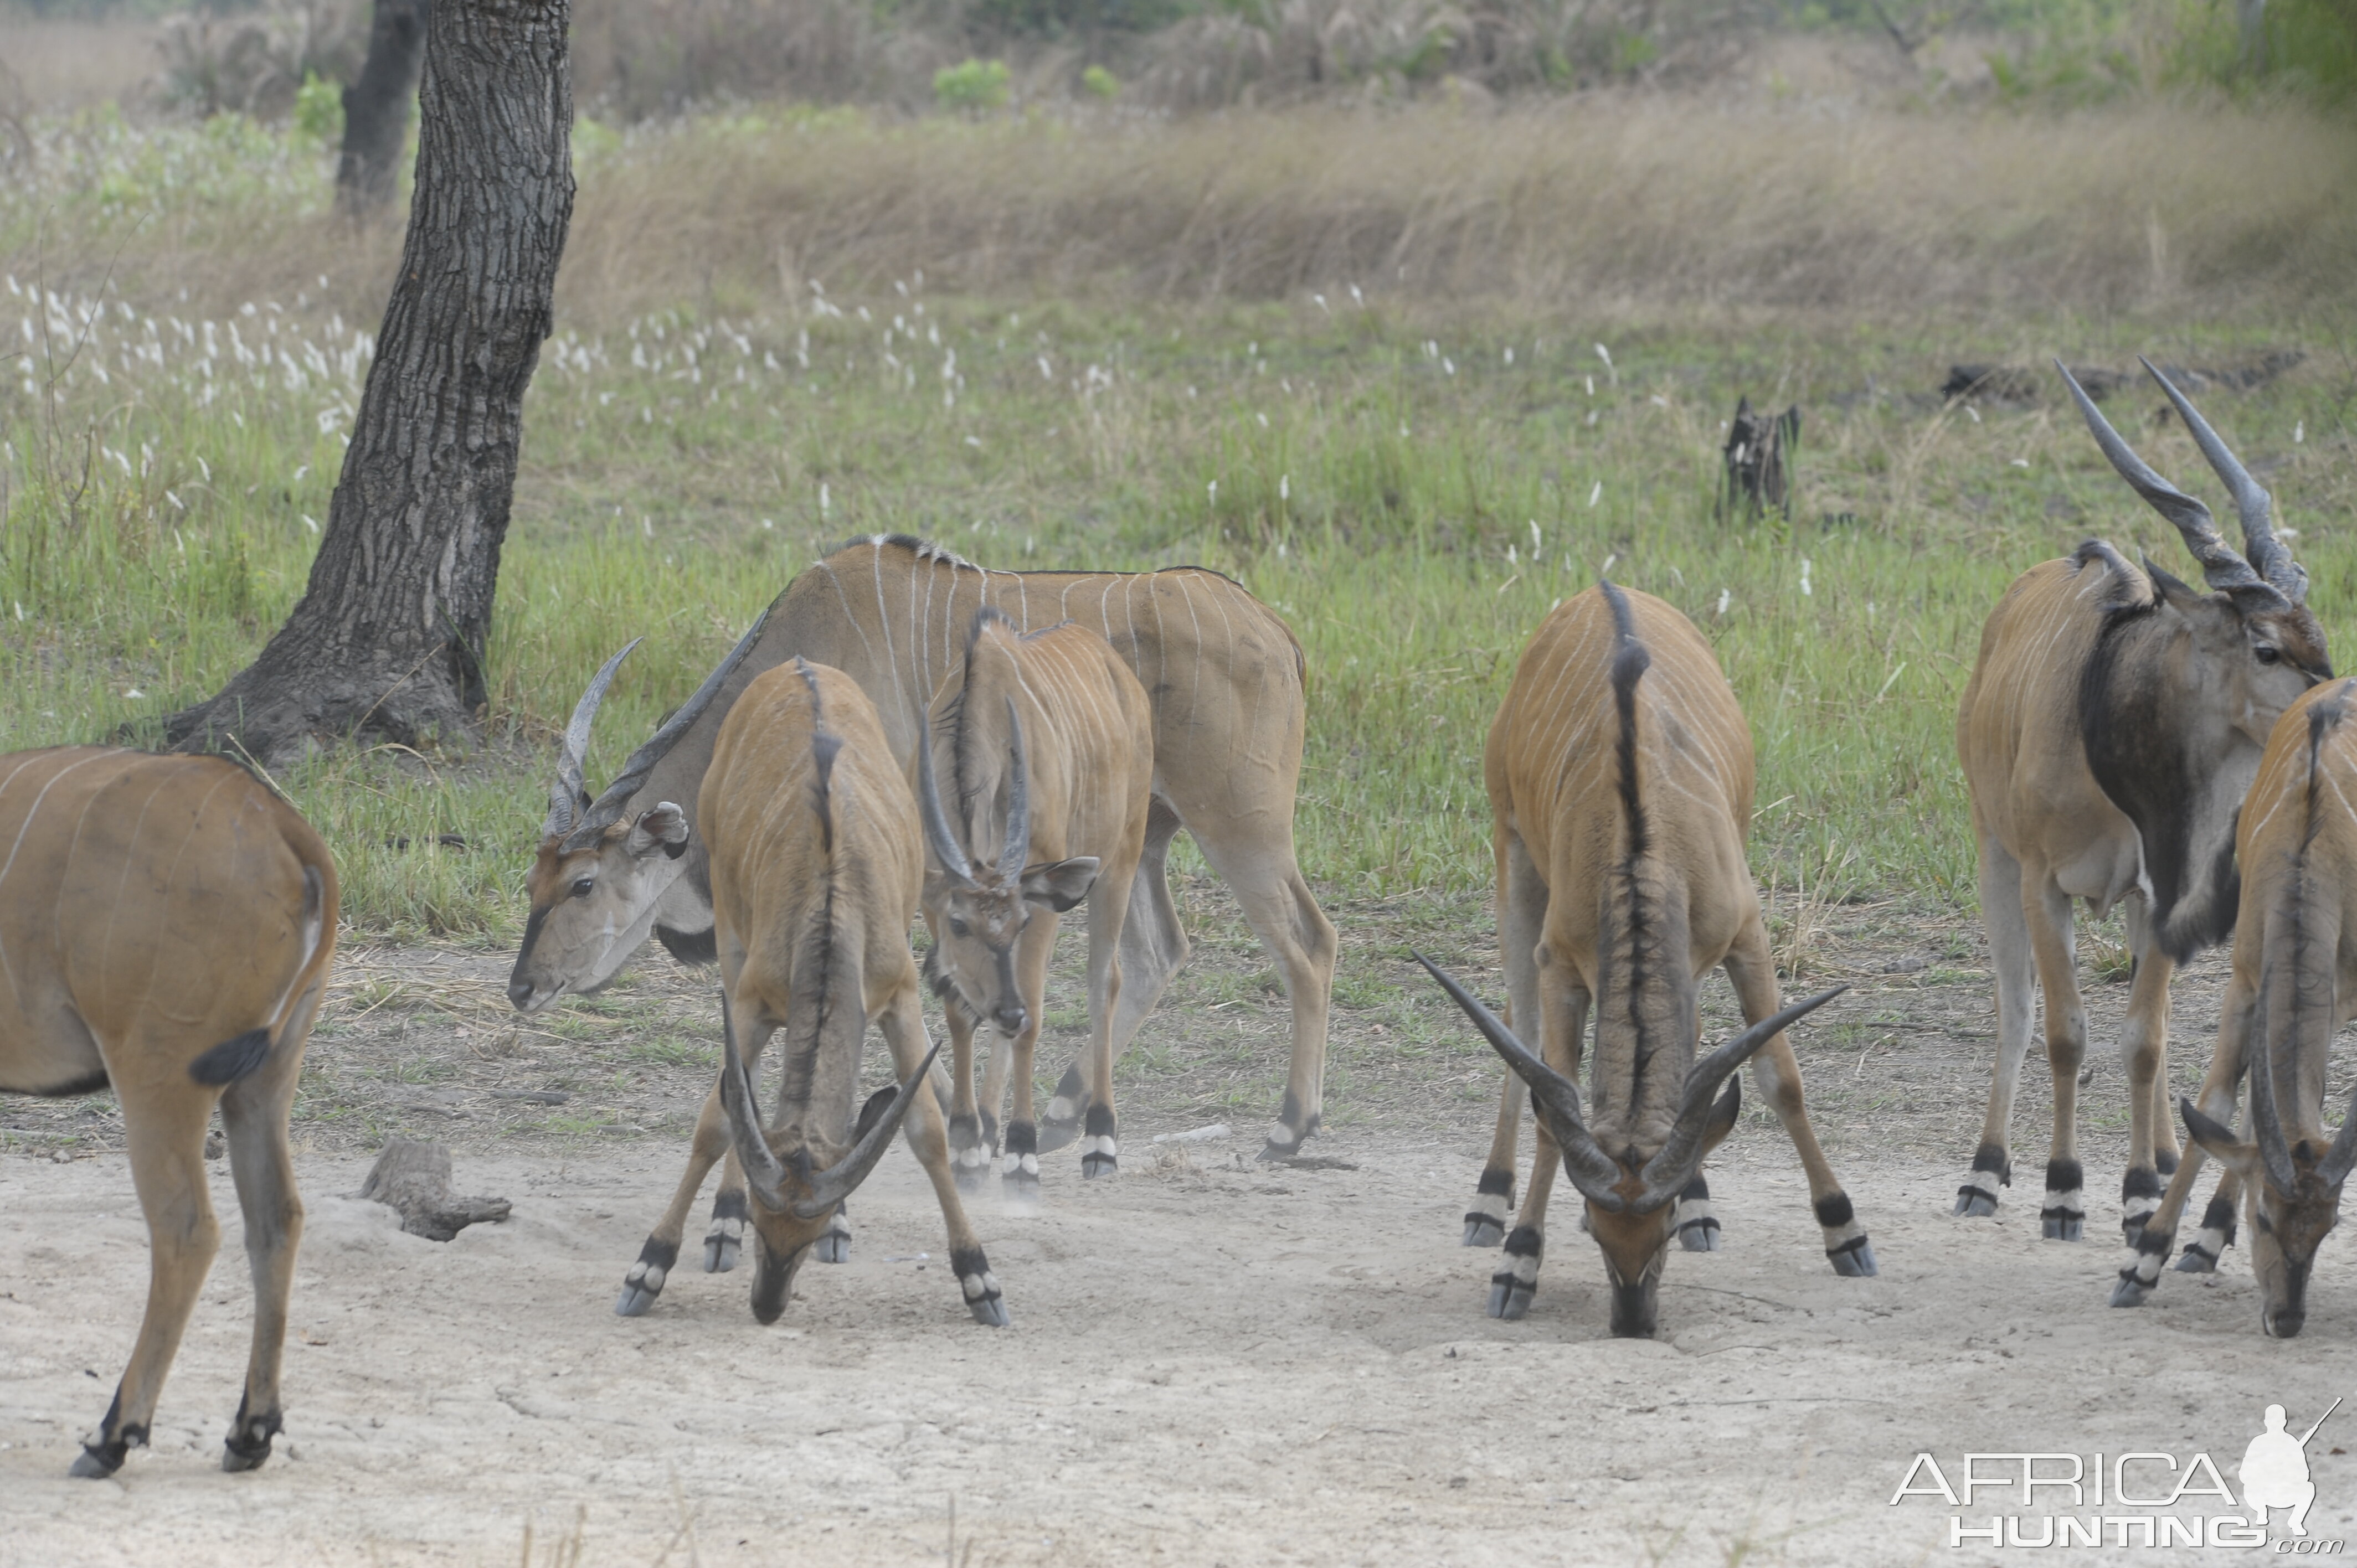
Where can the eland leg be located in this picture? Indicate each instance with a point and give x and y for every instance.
(2144, 1043)
(1778, 1074)
(1522, 922)
(1563, 1024)
(2017, 992)
(164, 1124)
(1109, 903)
(1020, 1174)
(969, 1143)
(2046, 910)
(1260, 869)
(903, 1022)
(2156, 1236)
(1152, 949)
(660, 1253)
(254, 1110)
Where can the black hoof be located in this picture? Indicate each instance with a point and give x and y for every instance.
(726, 1237)
(1062, 1123)
(2061, 1226)
(980, 1288)
(1096, 1165)
(2197, 1260)
(832, 1248)
(2128, 1289)
(1855, 1261)
(248, 1442)
(90, 1464)
(1100, 1149)
(645, 1280)
(1699, 1235)
(1975, 1204)
(1484, 1231)
(1512, 1287)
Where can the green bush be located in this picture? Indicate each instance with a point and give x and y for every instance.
(320, 110)
(1100, 83)
(975, 86)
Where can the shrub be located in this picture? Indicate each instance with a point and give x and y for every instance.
(975, 86)
(1100, 83)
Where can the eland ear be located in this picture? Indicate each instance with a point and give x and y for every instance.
(1057, 884)
(2218, 1141)
(662, 826)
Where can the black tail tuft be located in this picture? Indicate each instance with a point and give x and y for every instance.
(232, 1059)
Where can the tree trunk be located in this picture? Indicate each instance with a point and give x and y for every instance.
(376, 107)
(414, 1179)
(389, 636)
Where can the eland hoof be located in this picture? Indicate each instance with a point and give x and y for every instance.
(2197, 1260)
(1854, 1262)
(720, 1252)
(634, 1301)
(1510, 1299)
(991, 1313)
(1484, 1231)
(2062, 1227)
(89, 1465)
(1699, 1236)
(1975, 1204)
(2128, 1291)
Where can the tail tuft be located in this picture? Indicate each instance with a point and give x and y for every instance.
(232, 1059)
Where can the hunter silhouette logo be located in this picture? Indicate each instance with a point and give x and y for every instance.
(2275, 1471)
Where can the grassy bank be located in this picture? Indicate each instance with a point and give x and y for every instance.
(1413, 479)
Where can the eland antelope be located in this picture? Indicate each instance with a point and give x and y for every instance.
(817, 866)
(1077, 793)
(1223, 677)
(166, 927)
(2294, 982)
(2111, 727)
(1620, 772)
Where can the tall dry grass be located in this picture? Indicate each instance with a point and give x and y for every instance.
(1631, 206)
(1642, 202)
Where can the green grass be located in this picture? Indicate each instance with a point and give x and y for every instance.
(1408, 496)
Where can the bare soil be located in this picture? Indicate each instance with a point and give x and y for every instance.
(1211, 1360)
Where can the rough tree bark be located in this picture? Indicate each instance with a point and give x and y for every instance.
(413, 1178)
(376, 107)
(389, 636)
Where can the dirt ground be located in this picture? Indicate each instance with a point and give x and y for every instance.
(1211, 1361)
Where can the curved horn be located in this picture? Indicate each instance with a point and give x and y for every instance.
(2252, 504)
(607, 808)
(832, 1185)
(565, 796)
(937, 822)
(2340, 1159)
(1016, 846)
(1667, 1173)
(1554, 1096)
(763, 1172)
(2225, 571)
(2266, 1128)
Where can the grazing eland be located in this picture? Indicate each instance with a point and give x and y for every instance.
(1224, 679)
(1077, 791)
(1620, 772)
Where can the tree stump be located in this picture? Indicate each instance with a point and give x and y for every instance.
(413, 1178)
(1759, 450)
